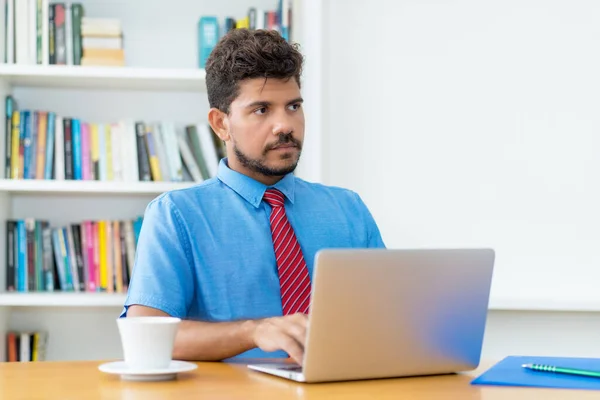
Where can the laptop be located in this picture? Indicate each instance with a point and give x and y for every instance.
(383, 313)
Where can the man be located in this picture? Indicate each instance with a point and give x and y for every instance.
(233, 256)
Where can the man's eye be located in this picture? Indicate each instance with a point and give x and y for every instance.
(260, 111)
(295, 107)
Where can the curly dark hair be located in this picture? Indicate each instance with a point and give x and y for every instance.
(246, 54)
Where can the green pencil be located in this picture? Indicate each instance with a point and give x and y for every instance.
(561, 370)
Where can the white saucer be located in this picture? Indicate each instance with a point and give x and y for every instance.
(163, 374)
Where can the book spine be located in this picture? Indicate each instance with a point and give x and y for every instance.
(59, 260)
(41, 144)
(32, 28)
(40, 284)
(116, 137)
(117, 257)
(208, 35)
(102, 152)
(16, 134)
(27, 138)
(59, 149)
(152, 155)
(64, 251)
(33, 145)
(109, 152)
(81, 273)
(132, 169)
(22, 257)
(47, 251)
(194, 142)
(89, 249)
(69, 33)
(30, 238)
(95, 152)
(86, 172)
(48, 168)
(60, 38)
(21, 32)
(77, 11)
(38, 31)
(95, 227)
(188, 158)
(51, 34)
(72, 255)
(45, 31)
(109, 257)
(12, 349)
(170, 140)
(10, 107)
(123, 250)
(161, 152)
(209, 152)
(130, 245)
(103, 272)
(10, 255)
(68, 136)
(22, 140)
(76, 138)
(10, 32)
(143, 162)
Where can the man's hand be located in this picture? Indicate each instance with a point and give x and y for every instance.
(286, 333)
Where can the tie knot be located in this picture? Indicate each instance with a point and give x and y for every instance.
(274, 197)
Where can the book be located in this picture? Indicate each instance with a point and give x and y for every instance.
(208, 36)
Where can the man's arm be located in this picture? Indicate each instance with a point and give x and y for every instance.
(213, 341)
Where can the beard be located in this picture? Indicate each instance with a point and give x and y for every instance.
(259, 164)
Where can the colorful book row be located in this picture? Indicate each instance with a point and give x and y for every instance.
(44, 145)
(90, 256)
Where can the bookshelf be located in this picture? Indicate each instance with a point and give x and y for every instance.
(82, 77)
(45, 187)
(61, 300)
(161, 81)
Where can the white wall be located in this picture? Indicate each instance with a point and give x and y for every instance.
(470, 123)
(558, 334)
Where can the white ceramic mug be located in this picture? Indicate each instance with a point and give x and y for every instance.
(148, 341)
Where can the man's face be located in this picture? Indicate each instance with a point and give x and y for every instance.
(266, 127)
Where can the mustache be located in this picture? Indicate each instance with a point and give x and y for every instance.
(284, 138)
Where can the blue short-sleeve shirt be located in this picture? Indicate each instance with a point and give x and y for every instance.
(206, 252)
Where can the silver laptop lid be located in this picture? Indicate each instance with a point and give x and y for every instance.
(386, 313)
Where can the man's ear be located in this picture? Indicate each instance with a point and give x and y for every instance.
(219, 123)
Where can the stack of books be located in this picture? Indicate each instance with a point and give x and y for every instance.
(26, 346)
(102, 42)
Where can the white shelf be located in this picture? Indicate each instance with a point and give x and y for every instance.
(62, 299)
(42, 187)
(544, 304)
(75, 76)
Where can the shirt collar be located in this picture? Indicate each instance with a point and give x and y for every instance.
(250, 189)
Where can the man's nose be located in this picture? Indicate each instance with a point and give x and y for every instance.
(283, 124)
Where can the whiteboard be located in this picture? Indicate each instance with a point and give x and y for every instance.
(467, 123)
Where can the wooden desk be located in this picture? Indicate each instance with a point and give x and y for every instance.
(83, 380)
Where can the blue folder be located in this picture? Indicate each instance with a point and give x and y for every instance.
(509, 372)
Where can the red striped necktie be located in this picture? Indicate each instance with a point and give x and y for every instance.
(294, 280)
